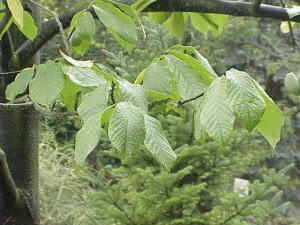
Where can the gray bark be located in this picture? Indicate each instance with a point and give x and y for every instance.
(19, 136)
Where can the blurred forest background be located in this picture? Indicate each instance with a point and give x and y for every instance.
(200, 188)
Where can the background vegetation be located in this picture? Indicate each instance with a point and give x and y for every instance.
(200, 188)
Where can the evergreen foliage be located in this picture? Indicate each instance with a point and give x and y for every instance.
(198, 191)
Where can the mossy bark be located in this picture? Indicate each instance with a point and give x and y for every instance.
(19, 136)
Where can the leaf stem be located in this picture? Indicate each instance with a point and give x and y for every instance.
(180, 103)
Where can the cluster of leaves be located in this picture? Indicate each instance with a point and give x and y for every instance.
(20, 17)
(121, 108)
(182, 78)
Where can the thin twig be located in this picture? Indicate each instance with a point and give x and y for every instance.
(295, 45)
(52, 113)
(11, 44)
(10, 72)
(61, 29)
(270, 52)
(63, 33)
(180, 103)
(3, 10)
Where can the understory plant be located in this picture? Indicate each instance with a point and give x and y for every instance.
(200, 189)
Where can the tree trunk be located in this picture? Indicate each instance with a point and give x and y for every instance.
(19, 136)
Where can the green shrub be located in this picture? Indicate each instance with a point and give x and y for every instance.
(199, 190)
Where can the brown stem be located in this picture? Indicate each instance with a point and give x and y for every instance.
(180, 103)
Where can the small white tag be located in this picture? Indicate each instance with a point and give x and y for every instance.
(241, 186)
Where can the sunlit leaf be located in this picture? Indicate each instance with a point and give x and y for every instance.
(29, 28)
(126, 128)
(87, 138)
(16, 10)
(94, 102)
(83, 76)
(47, 84)
(20, 84)
(216, 117)
(157, 143)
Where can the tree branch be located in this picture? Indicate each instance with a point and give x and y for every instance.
(270, 52)
(48, 31)
(235, 8)
(8, 187)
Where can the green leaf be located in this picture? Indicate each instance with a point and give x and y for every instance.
(272, 120)
(216, 117)
(159, 17)
(126, 128)
(131, 11)
(185, 48)
(199, 133)
(16, 10)
(205, 64)
(140, 77)
(188, 83)
(205, 22)
(104, 71)
(94, 102)
(74, 21)
(127, 45)
(159, 95)
(140, 5)
(175, 25)
(83, 76)
(206, 74)
(157, 143)
(20, 84)
(285, 26)
(69, 93)
(2, 6)
(87, 138)
(158, 71)
(133, 93)
(292, 83)
(79, 63)
(206, 67)
(106, 115)
(47, 84)
(29, 29)
(245, 100)
(84, 31)
(118, 23)
(293, 11)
